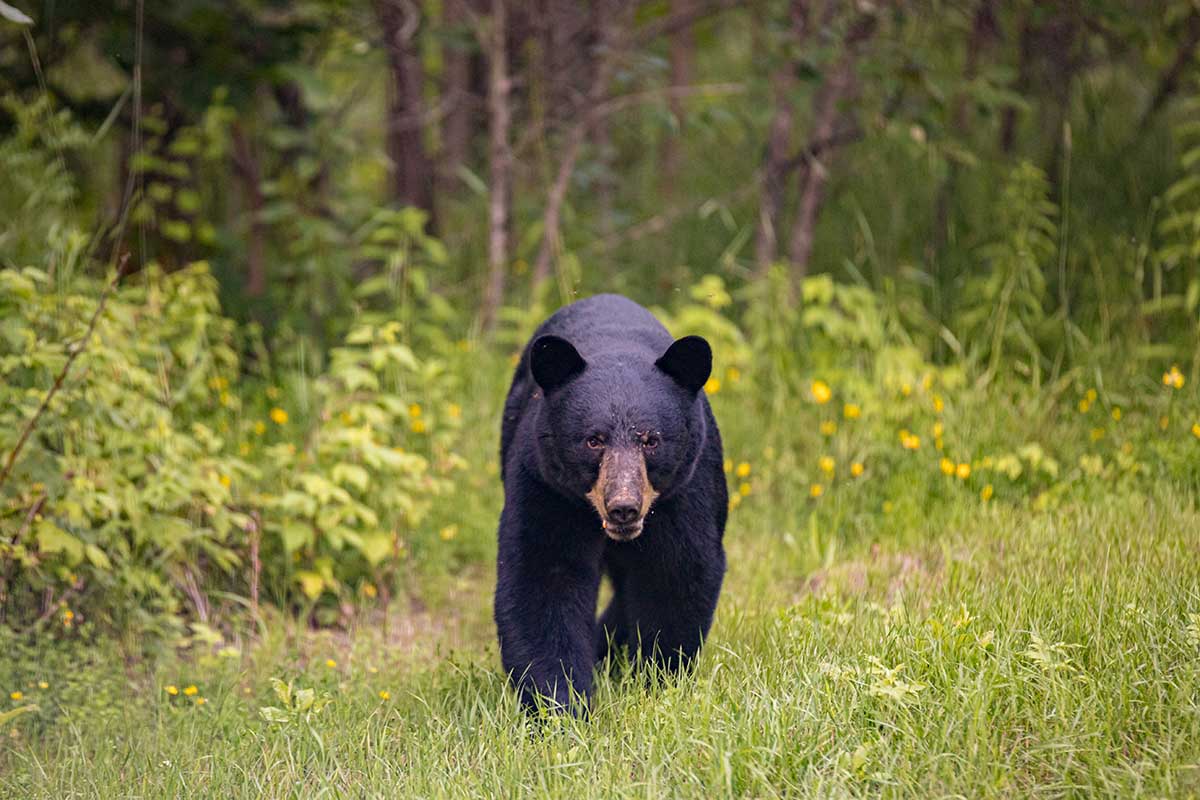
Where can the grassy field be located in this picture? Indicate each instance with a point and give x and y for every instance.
(984, 650)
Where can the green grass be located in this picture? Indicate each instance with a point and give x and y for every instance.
(983, 650)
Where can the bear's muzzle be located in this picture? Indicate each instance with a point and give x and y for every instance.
(622, 494)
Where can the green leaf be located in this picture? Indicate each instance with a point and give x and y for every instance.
(52, 539)
(97, 557)
(375, 547)
(273, 715)
(8, 716)
(311, 584)
(295, 535)
(353, 475)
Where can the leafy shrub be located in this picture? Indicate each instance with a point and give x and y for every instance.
(145, 483)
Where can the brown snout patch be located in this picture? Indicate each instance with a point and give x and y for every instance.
(622, 482)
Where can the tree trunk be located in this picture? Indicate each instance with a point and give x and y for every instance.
(246, 166)
(681, 54)
(603, 64)
(779, 142)
(411, 171)
(460, 102)
(838, 87)
(500, 158)
(601, 136)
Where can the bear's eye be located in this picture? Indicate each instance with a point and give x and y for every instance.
(650, 441)
(595, 442)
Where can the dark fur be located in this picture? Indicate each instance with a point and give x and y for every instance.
(552, 548)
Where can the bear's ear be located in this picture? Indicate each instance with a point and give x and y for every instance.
(688, 361)
(554, 361)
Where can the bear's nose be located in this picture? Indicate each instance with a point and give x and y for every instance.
(623, 513)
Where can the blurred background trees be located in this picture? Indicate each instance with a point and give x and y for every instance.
(558, 148)
(340, 219)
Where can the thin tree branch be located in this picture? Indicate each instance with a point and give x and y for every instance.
(62, 374)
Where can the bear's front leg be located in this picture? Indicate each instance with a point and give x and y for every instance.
(670, 611)
(545, 615)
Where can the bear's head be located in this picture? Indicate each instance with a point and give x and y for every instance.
(621, 429)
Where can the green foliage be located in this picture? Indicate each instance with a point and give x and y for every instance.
(38, 198)
(117, 490)
(1004, 309)
(137, 488)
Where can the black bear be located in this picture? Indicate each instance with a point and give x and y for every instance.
(612, 463)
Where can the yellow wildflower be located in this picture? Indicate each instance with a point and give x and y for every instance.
(278, 415)
(385, 695)
(43, 685)
(851, 411)
(963, 471)
(826, 464)
(172, 690)
(1173, 377)
(728, 466)
(200, 701)
(735, 501)
(369, 590)
(454, 410)
(816, 490)
(191, 690)
(856, 469)
(68, 617)
(1084, 405)
(225, 481)
(372, 670)
(905, 389)
(1196, 429)
(744, 489)
(418, 426)
(712, 385)
(743, 469)
(329, 662)
(449, 532)
(821, 392)
(828, 428)
(910, 441)
(1164, 422)
(938, 404)
(16, 695)
(947, 466)
(1116, 414)
(1091, 395)
(986, 493)
(414, 410)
